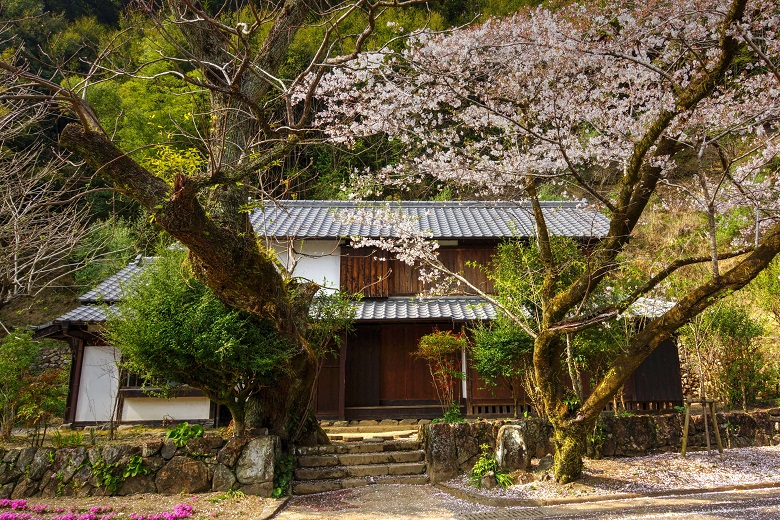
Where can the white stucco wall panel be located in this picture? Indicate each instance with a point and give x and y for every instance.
(98, 385)
(317, 260)
(158, 409)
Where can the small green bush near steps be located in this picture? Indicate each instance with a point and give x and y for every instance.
(485, 465)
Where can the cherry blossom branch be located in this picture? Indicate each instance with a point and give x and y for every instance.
(438, 266)
(768, 62)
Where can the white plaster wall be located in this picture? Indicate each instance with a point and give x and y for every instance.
(98, 385)
(157, 409)
(318, 261)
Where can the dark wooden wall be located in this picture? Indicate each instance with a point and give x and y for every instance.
(327, 403)
(379, 369)
(405, 377)
(657, 378)
(365, 271)
(376, 275)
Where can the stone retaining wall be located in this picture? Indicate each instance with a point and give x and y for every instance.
(452, 449)
(55, 355)
(204, 464)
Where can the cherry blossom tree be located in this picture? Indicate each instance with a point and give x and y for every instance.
(603, 101)
(238, 58)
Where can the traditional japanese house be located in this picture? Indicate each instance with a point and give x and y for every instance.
(373, 374)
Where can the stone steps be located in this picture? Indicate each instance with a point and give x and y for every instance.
(367, 446)
(343, 465)
(361, 470)
(355, 459)
(308, 487)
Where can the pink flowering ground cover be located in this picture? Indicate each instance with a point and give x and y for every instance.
(137, 507)
(22, 510)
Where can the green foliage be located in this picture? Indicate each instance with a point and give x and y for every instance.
(17, 353)
(731, 225)
(78, 43)
(183, 432)
(722, 345)
(484, 465)
(595, 440)
(459, 12)
(283, 476)
(107, 248)
(596, 348)
(330, 315)
(108, 475)
(502, 354)
(28, 396)
(172, 330)
(453, 415)
(43, 400)
(111, 478)
(765, 290)
(169, 162)
(517, 273)
(230, 494)
(134, 467)
(71, 440)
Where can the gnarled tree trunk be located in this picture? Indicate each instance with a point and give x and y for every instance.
(287, 408)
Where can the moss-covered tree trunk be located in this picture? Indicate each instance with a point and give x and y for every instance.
(570, 440)
(287, 409)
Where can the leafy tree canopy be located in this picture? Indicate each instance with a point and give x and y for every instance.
(172, 330)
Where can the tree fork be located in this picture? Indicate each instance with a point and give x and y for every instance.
(286, 409)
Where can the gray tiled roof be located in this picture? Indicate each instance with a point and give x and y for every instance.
(462, 308)
(445, 220)
(84, 314)
(324, 219)
(457, 308)
(110, 290)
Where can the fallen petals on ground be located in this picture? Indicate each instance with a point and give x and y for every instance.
(651, 474)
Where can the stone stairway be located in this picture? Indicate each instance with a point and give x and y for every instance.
(348, 464)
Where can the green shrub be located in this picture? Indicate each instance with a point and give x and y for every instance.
(283, 476)
(486, 464)
(134, 467)
(184, 432)
(441, 350)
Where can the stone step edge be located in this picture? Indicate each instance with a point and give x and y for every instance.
(309, 487)
(303, 462)
(403, 468)
(355, 448)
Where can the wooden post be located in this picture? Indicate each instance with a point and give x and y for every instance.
(343, 375)
(706, 427)
(685, 428)
(715, 423)
(706, 403)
